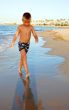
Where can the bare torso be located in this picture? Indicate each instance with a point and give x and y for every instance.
(25, 33)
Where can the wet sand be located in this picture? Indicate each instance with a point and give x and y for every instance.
(48, 86)
(56, 94)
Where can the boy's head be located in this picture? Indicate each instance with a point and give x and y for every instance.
(26, 18)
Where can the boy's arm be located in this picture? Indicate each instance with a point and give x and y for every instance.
(35, 35)
(15, 37)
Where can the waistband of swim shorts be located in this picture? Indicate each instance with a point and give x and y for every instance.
(23, 42)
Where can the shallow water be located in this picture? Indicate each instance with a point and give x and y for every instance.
(7, 32)
(47, 88)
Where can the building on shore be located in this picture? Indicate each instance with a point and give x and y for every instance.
(45, 22)
(51, 22)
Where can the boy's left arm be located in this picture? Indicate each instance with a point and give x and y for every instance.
(35, 35)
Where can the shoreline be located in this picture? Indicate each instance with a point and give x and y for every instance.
(59, 47)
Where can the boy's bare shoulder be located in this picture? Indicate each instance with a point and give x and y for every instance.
(32, 27)
(20, 26)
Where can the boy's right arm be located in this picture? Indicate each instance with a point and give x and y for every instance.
(15, 37)
(34, 34)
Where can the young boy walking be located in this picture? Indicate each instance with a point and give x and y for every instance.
(24, 32)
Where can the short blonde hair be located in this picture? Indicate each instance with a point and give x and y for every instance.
(26, 15)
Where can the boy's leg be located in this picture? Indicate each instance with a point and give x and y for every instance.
(24, 59)
(20, 65)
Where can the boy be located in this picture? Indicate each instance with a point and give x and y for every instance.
(24, 31)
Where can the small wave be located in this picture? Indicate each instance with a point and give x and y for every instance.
(4, 43)
(3, 47)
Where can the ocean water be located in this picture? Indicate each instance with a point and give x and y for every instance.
(7, 32)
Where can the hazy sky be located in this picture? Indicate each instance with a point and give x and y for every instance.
(12, 10)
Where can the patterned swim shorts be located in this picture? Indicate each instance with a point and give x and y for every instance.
(23, 45)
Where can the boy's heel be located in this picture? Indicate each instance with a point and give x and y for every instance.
(27, 75)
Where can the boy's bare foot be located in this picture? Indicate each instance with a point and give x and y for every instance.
(20, 73)
(27, 75)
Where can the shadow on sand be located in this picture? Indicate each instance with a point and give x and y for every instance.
(26, 96)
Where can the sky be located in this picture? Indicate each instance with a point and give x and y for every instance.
(12, 10)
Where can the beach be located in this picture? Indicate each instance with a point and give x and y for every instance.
(48, 86)
(58, 40)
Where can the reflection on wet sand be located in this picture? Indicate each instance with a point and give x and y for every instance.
(27, 101)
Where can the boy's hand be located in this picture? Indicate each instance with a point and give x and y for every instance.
(12, 45)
